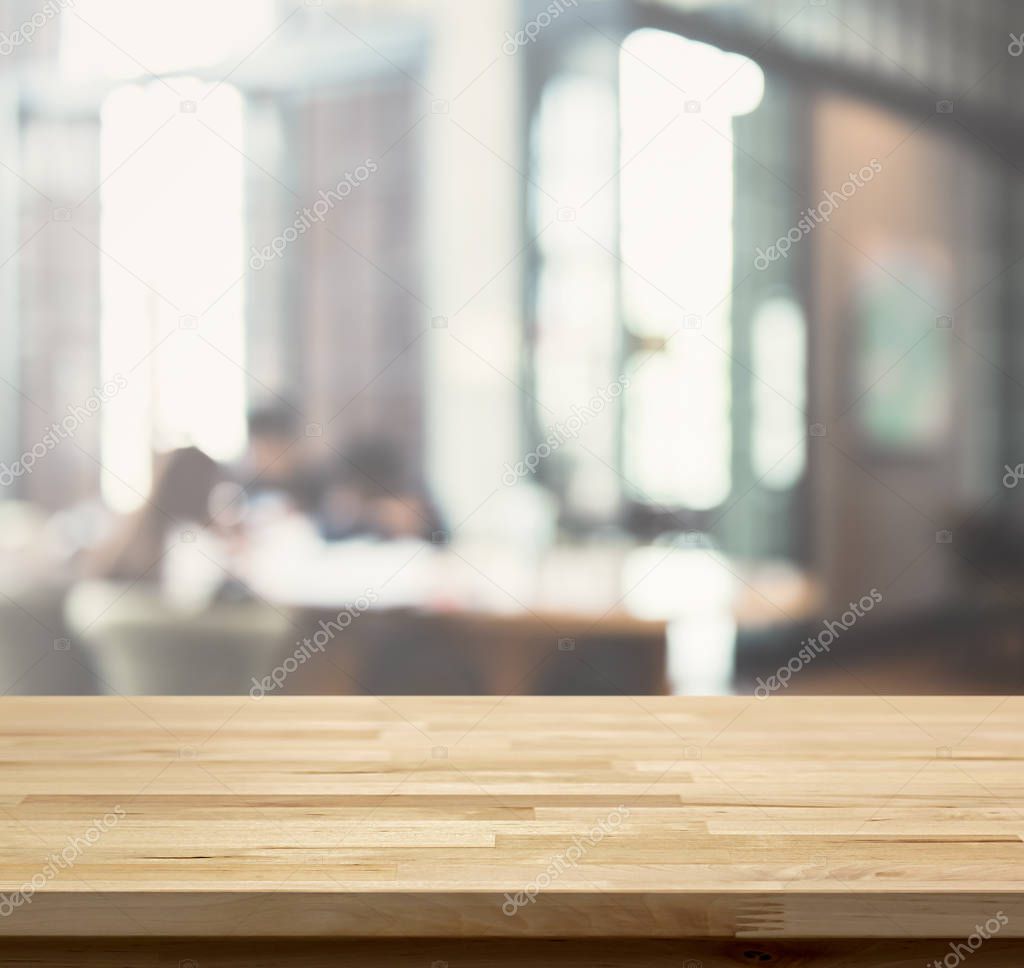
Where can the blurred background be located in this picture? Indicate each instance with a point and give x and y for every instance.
(511, 347)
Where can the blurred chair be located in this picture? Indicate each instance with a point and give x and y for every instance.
(35, 650)
(140, 645)
(34, 659)
(412, 654)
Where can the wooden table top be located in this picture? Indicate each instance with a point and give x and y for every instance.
(520, 817)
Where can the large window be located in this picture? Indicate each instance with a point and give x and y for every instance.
(180, 229)
(650, 276)
(201, 145)
(577, 342)
(171, 235)
(677, 102)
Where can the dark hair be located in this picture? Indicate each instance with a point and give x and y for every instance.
(182, 482)
(374, 466)
(273, 421)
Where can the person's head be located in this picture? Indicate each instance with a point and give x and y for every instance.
(273, 432)
(182, 484)
(374, 467)
(183, 481)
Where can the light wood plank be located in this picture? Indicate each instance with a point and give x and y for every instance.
(426, 816)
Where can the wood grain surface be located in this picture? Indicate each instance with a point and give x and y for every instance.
(654, 817)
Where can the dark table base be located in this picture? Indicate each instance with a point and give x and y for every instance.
(461, 953)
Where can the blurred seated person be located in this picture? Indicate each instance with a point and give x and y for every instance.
(274, 468)
(372, 493)
(175, 540)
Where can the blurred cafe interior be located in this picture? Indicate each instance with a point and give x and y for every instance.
(511, 347)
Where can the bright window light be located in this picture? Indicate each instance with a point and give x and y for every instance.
(126, 38)
(780, 360)
(575, 157)
(172, 241)
(678, 99)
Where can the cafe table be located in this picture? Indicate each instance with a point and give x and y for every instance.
(665, 614)
(449, 832)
